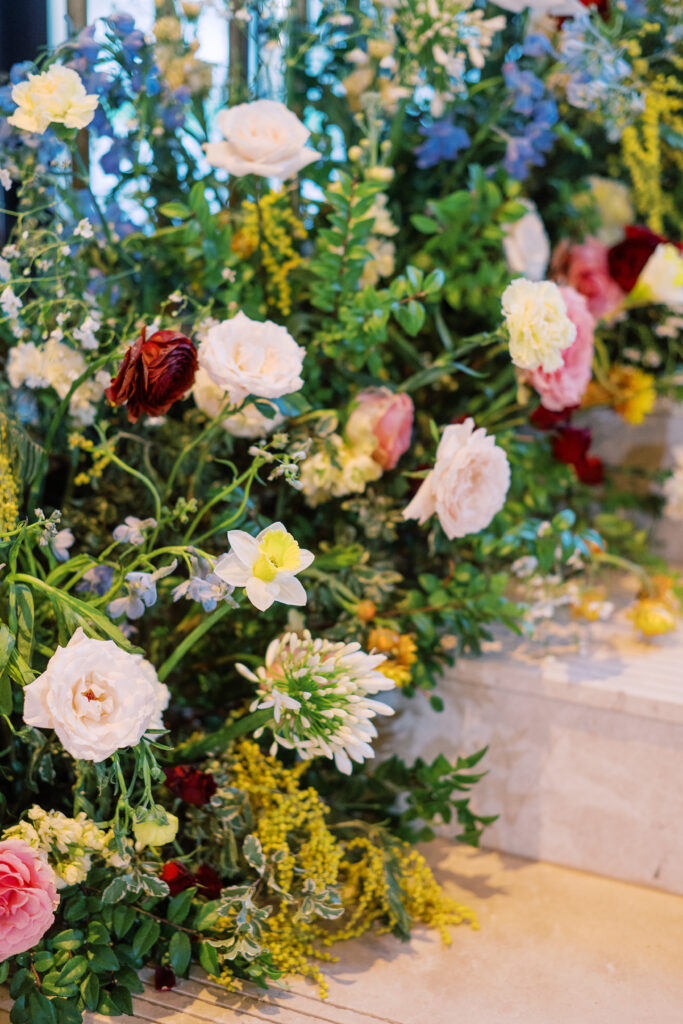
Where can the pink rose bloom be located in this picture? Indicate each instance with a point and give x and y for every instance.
(384, 419)
(468, 484)
(28, 897)
(565, 387)
(585, 268)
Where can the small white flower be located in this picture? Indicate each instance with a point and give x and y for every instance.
(85, 334)
(10, 303)
(5, 270)
(5, 179)
(319, 692)
(142, 593)
(266, 566)
(131, 530)
(60, 544)
(84, 229)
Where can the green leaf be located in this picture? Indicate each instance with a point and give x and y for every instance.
(21, 983)
(179, 907)
(427, 225)
(253, 853)
(124, 919)
(115, 891)
(72, 938)
(72, 971)
(208, 958)
(21, 611)
(97, 934)
(41, 1009)
(7, 643)
(180, 952)
(108, 1006)
(103, 959)
(411, 316)
(4, 971)
(122, 998)
(90, 991)
(175, 209)
(146, 936)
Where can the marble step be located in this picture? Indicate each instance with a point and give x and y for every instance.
(555, 946)
(585, 737)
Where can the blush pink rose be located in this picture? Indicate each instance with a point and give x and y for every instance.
(585, 268)
(565, 387)
(384, 418)
(28, 897)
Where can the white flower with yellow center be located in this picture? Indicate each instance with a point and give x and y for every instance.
(57, 96)
(661, 279)
(537, 322)
(266, 566)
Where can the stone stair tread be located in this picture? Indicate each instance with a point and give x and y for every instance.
(556, 946)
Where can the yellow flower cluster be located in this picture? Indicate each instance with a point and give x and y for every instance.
(629, 390)
(291, 821)
(100, 459)
(9, 488)
(648, 156)
(401, 652)
(272, 223)
(656, 610)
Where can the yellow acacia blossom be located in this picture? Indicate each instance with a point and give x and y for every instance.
(401, 652)
(100, 459)
(9, 487)
(629, 390)
(271, 225)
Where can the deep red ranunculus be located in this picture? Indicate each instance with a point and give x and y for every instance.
(164, 978)
(627, 259)
(209, 881)
(570, 445)
(154, 374)
(176, 876)
(546, 419)
(190, 784)
(590, 470)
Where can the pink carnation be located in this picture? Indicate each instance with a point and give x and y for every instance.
(386, 419)
(565, 387)
(28, 897)
(585, 268)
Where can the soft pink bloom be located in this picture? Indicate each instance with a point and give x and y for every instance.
(585, 268)
(468, 484)
(565, 387)
(28, 897)
(384, 418)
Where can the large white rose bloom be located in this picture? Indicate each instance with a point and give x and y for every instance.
(248, 422)
(250, 357)
(526, 245)
(97, 698)
(57, 96)
(468, 484)
(263, 138)
(537, 321)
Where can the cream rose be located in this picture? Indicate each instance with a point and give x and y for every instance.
(57, 96)
(526, 245)
(538, 324)
(661, 279)
(97, 698)
(249, 422)
(468, 484)
(250, 357)
(263, 138)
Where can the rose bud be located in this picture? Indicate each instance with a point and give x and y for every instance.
(164, 978)
(154, 374)
(176, 876)
(384, 420)
(190, 784)
(209, 881)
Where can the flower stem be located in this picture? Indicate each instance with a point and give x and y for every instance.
(191, 639)
(218, 740)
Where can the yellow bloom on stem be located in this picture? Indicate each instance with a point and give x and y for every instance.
(629, 390)
(57, 96)
(656, 610)
(401, 652)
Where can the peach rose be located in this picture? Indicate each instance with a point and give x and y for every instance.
(585, 268)
(384, 417)
(468, 484)
(28, 897)
(565, 387)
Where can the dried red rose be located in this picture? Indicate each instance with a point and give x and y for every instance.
(570, 445)
(209, 881)
(154, 374)
(164, 978)
(627, 259)
(190, 784)
(176, 876)
(546, 419)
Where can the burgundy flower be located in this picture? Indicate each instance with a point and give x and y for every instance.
(176, 876)
(190, 784)
(209, 881)
(570, 445)
(546, 419)
(590, 470)
(164, 978)
(155, 373)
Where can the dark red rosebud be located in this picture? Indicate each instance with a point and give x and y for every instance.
(590, 470)
(209, 881)
(602, 7)
(571, 444)
(546, 419)
(164, 978)
(627, 259)
(190, 784)
(154, 374)
(176, 876)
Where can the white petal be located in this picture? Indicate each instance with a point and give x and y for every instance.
(290, 591)
(244, 546)
(231, 570)
(259, 594)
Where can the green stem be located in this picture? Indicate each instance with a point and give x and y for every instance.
(192, 750)
(191, 639)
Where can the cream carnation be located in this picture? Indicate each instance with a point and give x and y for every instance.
(538, 324)
(97, 698)
(263, 138)
(250, 357)
(468, 484)
(248, 422)
(57, 96)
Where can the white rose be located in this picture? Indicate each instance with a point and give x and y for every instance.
(537, 321)
(97, 698)
(263, 138)
(468, 484)
(249, 422)
(247, 357)
(526, 245)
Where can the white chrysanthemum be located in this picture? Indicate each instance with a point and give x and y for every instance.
(320, 695)
(537, 321)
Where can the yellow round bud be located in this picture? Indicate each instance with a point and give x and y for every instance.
(152, 831)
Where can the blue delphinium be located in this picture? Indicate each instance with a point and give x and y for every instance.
(443, 142)
(527, 148)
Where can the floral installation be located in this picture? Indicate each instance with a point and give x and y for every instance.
(298, 368)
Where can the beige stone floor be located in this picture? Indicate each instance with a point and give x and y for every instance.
(556, 946)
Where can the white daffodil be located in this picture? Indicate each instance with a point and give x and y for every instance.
(266, 566)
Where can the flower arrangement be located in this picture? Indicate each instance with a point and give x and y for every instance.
(291, 386)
